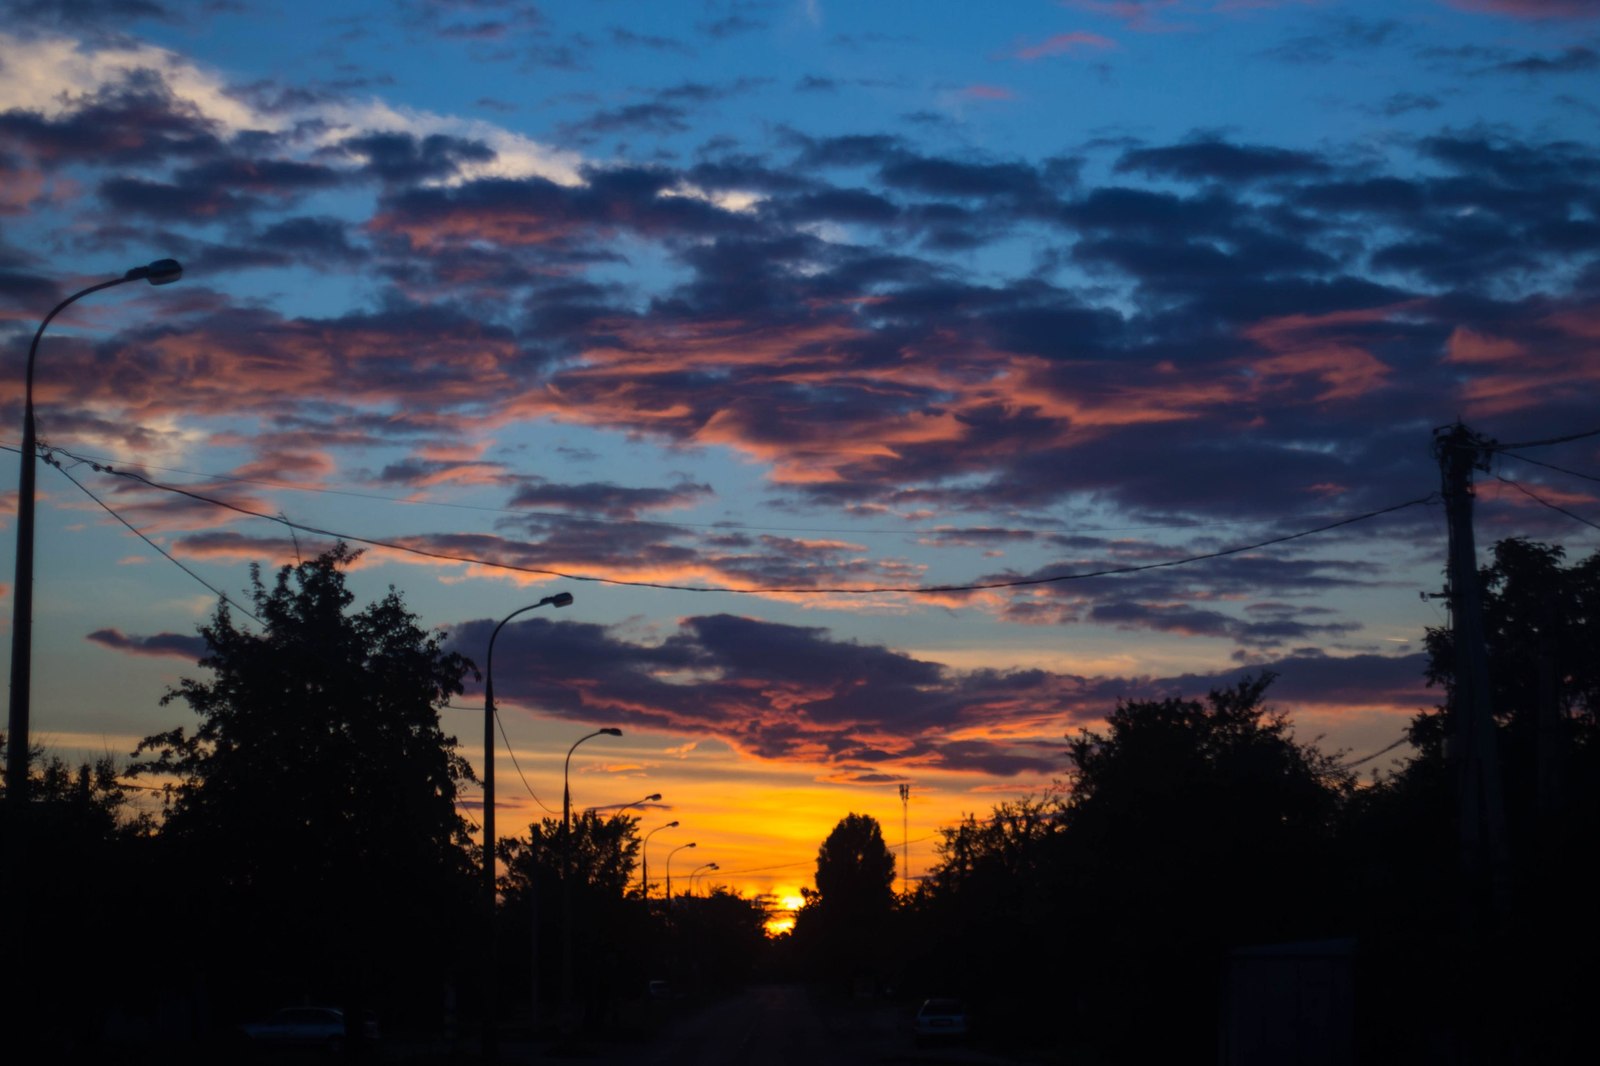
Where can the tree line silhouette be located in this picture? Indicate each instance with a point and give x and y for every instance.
(311, 849)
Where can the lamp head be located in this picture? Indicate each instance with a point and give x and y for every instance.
(654, 797)
(611, 731)
(560, 599)
(690, 844)
(670, 825)
(160, 272)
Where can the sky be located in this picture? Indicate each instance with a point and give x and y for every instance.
(771, 328)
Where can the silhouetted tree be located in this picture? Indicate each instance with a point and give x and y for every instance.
(1194, 826)
(75, 877)
(843, 924)
(992, 905)
(722, 936)
(855, 868)
(314, 806)
(1541, 630)
(611, 932)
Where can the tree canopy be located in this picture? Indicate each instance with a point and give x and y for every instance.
(855, 868)
(317, 796)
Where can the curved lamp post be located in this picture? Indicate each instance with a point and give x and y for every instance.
(654, 797)
(670, 854)
(566, 772)
(698, 870)
(160, 272)
(560, 599)
(644, 857)
(566, 872)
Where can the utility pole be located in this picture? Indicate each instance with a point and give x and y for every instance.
(1484, 894)
(905, 840)
(1482, 828)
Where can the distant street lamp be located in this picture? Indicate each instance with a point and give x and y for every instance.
(654, 797)
(670, 854)
(566, 872)
(698, 870)
(160, 272)
(490, 1042)
(644, 858)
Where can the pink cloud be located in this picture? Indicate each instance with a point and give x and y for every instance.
(988, 92)
(1135, 14)
(1064, 44)
(1532, 9)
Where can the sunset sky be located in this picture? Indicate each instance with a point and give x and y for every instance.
(797, 306)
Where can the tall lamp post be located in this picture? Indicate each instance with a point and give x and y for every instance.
(670, 854)
(566, 871)
(160, 272)
(490, 1041)
(644, 858)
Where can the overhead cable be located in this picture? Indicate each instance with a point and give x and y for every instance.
(1540, 499)
(763, 590)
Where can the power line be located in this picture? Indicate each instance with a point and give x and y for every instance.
(1551, 466)
(907, 531)
(1497, 446)
(50, 459)
(1381, 751)
(764, 590)
(513, 754)
(1540, 499)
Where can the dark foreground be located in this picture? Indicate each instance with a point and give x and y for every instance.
(770, 1025)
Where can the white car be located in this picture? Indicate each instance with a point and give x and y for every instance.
(940, 1019)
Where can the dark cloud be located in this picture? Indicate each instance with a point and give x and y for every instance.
(315, 241)
(1340, 38)
(403, 158)
(1403, 103)
(774, 691)
(86, 14)
(730, 26)
(1574, 60)
(1220, 161)
(136, 121)
(603, 498)
(795, 693)
(174, 645)
(626, 38)
(535, 211)
(667, 110)
(172, 201)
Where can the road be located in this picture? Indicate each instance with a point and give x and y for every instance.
(781, 1025)
(777, 1025)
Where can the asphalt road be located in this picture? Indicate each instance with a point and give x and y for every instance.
(775, 1025)
(781, 1025)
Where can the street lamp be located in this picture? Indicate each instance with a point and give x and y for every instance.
(698, 870)
(560, 599)
(654, 797)
(566, 872)
(670, 854)
(566, 791)
(160, 272)
(644, 857)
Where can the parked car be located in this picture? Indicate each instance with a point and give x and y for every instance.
(940, 1019)
(306, 1027)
